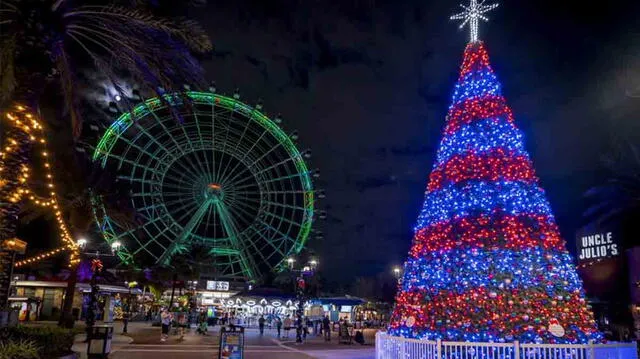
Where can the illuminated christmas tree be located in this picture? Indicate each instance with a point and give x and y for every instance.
(487, 261)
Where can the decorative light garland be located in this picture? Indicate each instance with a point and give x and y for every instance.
(481, 136)
(472, 316)
(498, 229)
(476, 196)
(487, 261)
(490, 166)
(477, 108)
(530, 268)
(42, 256)
(30, 130)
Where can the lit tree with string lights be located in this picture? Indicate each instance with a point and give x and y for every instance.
(47, 42)
(487, 261)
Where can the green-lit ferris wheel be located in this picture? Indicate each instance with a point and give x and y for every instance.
(209, 172)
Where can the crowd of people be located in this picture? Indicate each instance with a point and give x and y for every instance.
(180, 322)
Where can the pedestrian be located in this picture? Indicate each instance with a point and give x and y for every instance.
(182, 325)
(166, 322)
(305, 330)
(278, 325)
(287, 326)
(261, 324)
(326, 328)
(202, 323)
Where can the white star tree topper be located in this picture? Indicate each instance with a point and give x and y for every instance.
(472, 15)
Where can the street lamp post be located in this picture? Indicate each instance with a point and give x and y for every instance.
(397, 272)
(96, 268)
(127, 313)
(300, 286)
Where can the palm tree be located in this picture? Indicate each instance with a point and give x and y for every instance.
(48, 42)
(43, 42)
(618, 199)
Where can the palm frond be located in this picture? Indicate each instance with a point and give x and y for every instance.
(67, 82)
(7, 69)
(619, 196)
(8, 8)
(187, 31)
(137, 42)
(156, 52)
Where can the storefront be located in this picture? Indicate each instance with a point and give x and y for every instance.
(373, 314)
(213, 302)
(43, 300)
(40, 300)
(340, 308)
(611, 275)
(246, 310)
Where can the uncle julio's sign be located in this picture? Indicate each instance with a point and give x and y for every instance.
(597, 245)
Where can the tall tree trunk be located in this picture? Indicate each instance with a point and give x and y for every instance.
(173, 289)
(66, 318)
(15, 154)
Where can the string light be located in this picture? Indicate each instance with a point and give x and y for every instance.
(487, 261)
(496, 229)
(42, 256)
(489, 166)
(27, 131)
(476, 196)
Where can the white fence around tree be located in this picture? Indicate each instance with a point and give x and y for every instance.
(392, 347)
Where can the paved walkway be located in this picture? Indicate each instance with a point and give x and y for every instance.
(143, 342)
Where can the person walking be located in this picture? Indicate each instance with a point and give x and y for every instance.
(182, 325)
(287, 326)
(305, 330)
(261, 324)
(202, 323)
(278, 325)
(326, 328)
(166, 322)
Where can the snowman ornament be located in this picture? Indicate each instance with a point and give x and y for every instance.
(555, 328)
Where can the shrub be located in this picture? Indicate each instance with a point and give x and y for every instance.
(18, 349)
(52, 342)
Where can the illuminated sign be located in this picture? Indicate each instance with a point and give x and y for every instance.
(217, 285)
(597, 245)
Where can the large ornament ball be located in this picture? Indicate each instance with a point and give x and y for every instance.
(411, 321)
(556, 330)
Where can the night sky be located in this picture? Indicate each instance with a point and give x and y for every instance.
(367, 84)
